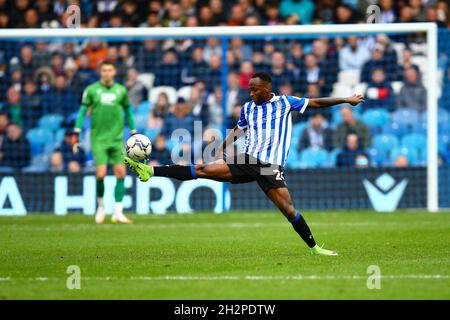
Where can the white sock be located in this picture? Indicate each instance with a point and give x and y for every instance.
(118, 209)
(100, 202)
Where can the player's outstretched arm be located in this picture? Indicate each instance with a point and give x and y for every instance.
(328, 102)
(229, 140)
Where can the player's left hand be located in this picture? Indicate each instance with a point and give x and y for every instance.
(355, 99)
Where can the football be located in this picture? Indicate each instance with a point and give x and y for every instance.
(138, 147)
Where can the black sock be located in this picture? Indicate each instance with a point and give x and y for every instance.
(175, 171)
(302, 229)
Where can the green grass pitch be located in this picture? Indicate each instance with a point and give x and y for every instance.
(238, 255)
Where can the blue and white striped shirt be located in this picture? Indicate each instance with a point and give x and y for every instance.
(269, 127)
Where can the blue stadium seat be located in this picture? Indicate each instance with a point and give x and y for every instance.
(59, 136)
(332, 157)
(376, 117)
(39, 163)
(395, 128)
(297, 130)
(385, 142)
(444, 142)
(141, 121)
(414, 140)
(144, 108)
(443, 117)
(151, 133)
(38, 138)
(411, 153)
(51, 122)
(314, 157)
(377, 157)
(293, 160)
(419, 127)
(406, 116)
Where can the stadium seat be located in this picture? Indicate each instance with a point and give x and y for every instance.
(375, 117)
(397, 129)
(170, 91)
(39, 163)
(293, 160)
(332, 157)
(144, 108)
(314, 157)
(384, 142)
(419, 127)
(414, 140)
(377, 157)
(297, 130)
(141, 121)
(443, 117)
(411, 153)
(349, 78)
(397, 86)
(38, 138)
(151, 133)
(360, 88)
(147, 79)
(59, 136)
(444, 142)
(406, 116)
(185, 92)
(340, 89)
(51, 122)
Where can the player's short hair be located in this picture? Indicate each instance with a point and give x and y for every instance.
(107, 63)
(264, 76)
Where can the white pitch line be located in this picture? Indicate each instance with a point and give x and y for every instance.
(237, 278)
(157, 226)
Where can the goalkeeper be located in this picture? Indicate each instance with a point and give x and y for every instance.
(108, 102)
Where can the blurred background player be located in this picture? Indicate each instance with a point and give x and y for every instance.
(108, 100)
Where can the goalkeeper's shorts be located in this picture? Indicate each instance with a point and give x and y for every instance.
(107, 154)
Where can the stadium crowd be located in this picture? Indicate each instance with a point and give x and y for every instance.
(172, 83)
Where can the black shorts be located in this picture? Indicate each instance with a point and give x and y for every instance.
(245, 168)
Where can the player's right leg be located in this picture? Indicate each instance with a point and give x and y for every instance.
(100, 188)
(282, 199)
(218, 171)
